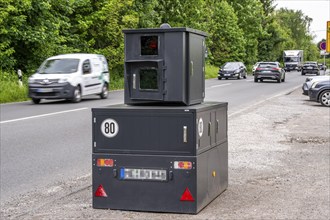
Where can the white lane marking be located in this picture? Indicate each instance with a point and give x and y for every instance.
(44, 115)
(249, 80)
(226, 84)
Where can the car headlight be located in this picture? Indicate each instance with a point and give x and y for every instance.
(64, 80)
(31, 80)
(314, 84)
(237, 71)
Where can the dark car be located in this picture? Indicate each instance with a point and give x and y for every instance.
(269, 70)
(310, 68)
(232, 70)
(322, 66)
(320, 92)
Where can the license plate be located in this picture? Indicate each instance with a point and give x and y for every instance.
(266, 71)
(143, 174)
(309, 67)
(45, 90)
(227, 74)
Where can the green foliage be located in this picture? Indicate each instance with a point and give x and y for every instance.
(226, 41)
(211, 71)
(10, 90)
(249, 14)
(248, 31)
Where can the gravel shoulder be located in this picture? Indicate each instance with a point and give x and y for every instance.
(279, 168)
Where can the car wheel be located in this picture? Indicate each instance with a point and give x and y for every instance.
(36, 101)
(239, 76)
(279, 80)
(226, 78)
(76, 95)
(244, 76)
(105, 92)
(283, 80)
(325, 98)
(219, 78)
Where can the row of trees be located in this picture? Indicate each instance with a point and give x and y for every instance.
(249, 30)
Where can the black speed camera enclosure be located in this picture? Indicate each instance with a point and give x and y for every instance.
(164, 65)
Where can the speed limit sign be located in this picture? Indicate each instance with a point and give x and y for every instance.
(109, 128)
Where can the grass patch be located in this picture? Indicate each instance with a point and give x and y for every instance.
(211, 71)
(10, 91)
(116, 82)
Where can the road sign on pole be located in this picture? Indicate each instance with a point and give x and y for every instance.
(328, 37)
(323, 45)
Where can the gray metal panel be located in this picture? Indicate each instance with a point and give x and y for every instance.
(196, 85)
(221, 125)
(149, 133)
(144, 195)
(206, 180)
(204, 136)
(160, 129)
(212, 174)
(175, 72)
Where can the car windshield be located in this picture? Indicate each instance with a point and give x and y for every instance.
(230, 66)
(59, 66)
(267, 65)
(291, 59)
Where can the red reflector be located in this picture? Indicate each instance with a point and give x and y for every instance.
(100, 192)
(104, 162)
(186, 196)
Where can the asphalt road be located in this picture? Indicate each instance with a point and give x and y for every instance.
(52, 142)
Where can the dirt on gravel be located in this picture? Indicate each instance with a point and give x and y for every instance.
(278, 169)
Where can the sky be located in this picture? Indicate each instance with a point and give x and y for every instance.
(318, 10)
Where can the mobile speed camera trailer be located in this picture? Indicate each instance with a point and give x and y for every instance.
(164, 150)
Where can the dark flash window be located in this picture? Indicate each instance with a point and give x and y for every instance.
(148, 79)
(149, 45)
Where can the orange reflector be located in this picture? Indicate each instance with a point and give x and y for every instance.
(100, 192)
(184, 165)
(186, 196)
(104, 162)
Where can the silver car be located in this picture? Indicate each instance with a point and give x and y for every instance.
(310, 80)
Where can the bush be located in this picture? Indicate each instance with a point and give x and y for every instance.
(10, 90)
(211, 71)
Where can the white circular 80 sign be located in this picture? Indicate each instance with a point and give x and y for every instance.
(109, 128)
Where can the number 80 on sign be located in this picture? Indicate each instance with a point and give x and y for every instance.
(109, 128)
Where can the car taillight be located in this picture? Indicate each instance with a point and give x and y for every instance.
(276, 69)
(258, 69)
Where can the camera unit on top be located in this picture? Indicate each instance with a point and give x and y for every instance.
(164, 66)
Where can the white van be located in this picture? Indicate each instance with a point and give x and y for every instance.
(70, 76)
